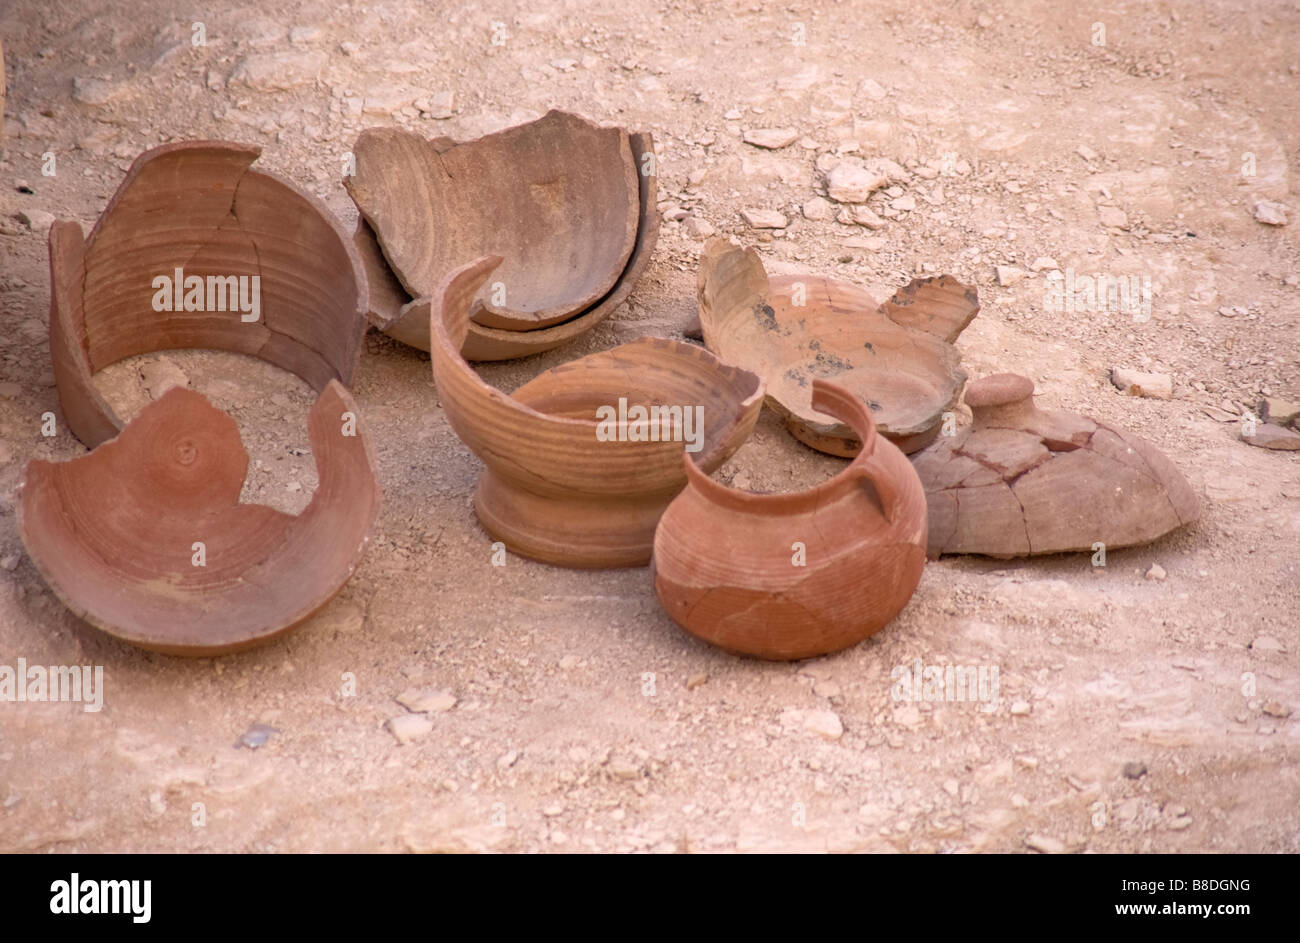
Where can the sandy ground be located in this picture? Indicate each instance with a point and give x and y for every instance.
(584, 719)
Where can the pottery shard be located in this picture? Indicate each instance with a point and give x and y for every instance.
(1135, 383)
(1022, 481)
(558, 198)
(1270, 436)
(771, 138)
(849, 183)
(793, 329)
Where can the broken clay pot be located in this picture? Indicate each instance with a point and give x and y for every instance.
(145, 537)
(579, 205)
(1022, 481)
(792, 329)
(564, 482)
(784, 576)
(196, 211)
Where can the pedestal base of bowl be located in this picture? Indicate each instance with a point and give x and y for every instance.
(588, 531)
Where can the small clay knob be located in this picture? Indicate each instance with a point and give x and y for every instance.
(1003, 399)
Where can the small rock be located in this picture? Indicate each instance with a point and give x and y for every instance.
(733, 114)
(620, 767)
(442, 105)
(1020, 708)
(1008, 275)
(1134, 769)
(426, 700)
(764, 219)
(860, 215)
(826, 689)
(1045, 844)
(278, 71)
(1267, 643)
(507, 760)
(872, 89)
(697, 228)
(696, 681)
(552, 810)
(818, 209)
(9, 562)
(984, 21)
(1277, 709)
(406, 727)
(771, 138)
(38, 221)
(1112, 217)
(94, 91)
(161, 375)
(1044, 263)
(255, 736)
(673, 213)
(849, 183)
(303, 34)
(825, 724)
(1279, 411)
(1156, 572)
(1270, 213)
(1087, 153)
(904, 204)
(1271, 436)
(1135, 383)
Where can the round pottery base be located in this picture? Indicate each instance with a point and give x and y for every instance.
(585, 531)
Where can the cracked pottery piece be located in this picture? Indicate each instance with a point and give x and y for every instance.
(1021, 481)
(725, 567)
(565, 203)
(199, 207)
(116, 533)
(897, 356)
(561, 485)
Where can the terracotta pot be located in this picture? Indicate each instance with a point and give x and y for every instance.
(145, 537)
(580, 200)
(1020, 480)
(561, 486)
(784, 576)
(198, 208)
(792, 329)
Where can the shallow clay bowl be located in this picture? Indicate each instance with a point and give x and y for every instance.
(1020, 480)
(561, 199)
(554, 489)
(785, 576)
(198, 207)
(898, 356)
(114, 533)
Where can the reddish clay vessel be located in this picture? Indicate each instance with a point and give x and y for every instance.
(792, 329)
(560, 485)
(1020, 480)
(145, 537)
(569, 205)
(199, 209)
(784, 576)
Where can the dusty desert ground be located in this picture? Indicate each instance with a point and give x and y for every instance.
(583, 718)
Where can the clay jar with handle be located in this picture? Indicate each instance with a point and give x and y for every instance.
(785, 576)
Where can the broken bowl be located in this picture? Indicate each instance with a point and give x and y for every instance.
(145, 537)
(793, 329)
(576, 474)
(785, 576)
(198, 250)
(1022, 480)
(567, 204)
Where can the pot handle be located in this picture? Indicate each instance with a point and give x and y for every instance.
(835, 400)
